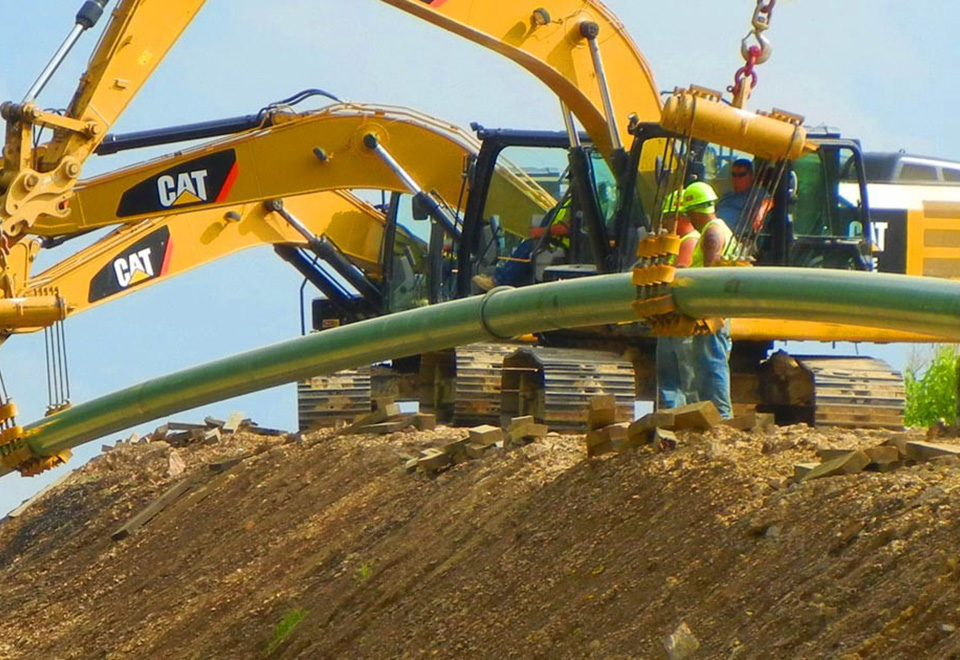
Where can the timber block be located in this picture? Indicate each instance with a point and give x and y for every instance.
(211, 436)
(883, 458)
(521, 422)
(185, 426)
(701, 416)
(602, 411)
(517, 430)
(211, 422)
(851, 463)
(226, 464)
(800, 470)
(924, 451)
(234, 420)
(411, 465)
(751, 421)
(475, 450)
(899, 441)
(641, 430)
(433, 460)
(485, 434)
(745, 422)
(825, 454)
(151, 510)
(664, 440)
(535, 431)
(390, 426)
(425, 421)
(376, 417)
(598, 444)
(457, 450)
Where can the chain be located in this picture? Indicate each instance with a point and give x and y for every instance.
(755, 49)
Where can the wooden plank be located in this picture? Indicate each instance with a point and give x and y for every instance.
(151, 510)
(233, 422)
(16, 513)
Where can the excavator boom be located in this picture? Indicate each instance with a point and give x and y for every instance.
(577, 48)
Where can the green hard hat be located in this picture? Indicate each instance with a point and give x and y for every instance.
(671, 203)
(699, 197)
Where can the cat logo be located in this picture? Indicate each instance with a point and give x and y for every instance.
(133, 268)
(207, 179)
(145, 260)
(185, 188)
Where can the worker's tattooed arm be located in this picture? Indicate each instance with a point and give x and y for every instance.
(712, 246)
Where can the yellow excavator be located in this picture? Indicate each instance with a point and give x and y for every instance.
(820, 216)
(576, 47)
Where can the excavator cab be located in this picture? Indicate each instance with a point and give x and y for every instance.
(808, 213)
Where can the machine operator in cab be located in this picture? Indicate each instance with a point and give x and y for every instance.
(711, 351)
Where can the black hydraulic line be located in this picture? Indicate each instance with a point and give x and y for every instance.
(198, 131)
(351, 307)
(387, 247)
(331, 254)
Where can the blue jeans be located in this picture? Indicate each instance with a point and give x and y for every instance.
(675, 376)
(517, 273)
(711, 361)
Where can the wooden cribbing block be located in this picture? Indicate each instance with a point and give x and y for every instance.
(425, 421)
(924, 451)
(883, 458)
(751, 421)
(664, 439)
(701, 416)
(474, 450)
(800, 470)
(853, 462)
(233, 422)
(227, 463)
(391, 426)
(825, 454)
(377, 416)
(641, 430)
(433, 460)
(212, 422)
(185, 426)
(152, 509)
(602, 411)
(598, 443)
(485, 434)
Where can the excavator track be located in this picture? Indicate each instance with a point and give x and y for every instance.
(462, 386)
(555, 385)
(856, 392)
(323, 400)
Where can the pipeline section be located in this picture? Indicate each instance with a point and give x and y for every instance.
(500, 314)
(888, 301)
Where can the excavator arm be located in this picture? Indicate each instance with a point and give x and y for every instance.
(291, 194)
(37, 182)
(135, 256)
(336, 148)
(578, 48)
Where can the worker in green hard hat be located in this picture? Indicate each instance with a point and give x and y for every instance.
(711, 351)
(676, 380)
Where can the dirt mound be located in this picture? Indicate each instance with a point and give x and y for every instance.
(324, 547)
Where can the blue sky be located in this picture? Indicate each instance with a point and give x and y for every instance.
(880, 70)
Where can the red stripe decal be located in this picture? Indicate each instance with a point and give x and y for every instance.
(228, 184)
(166, 258)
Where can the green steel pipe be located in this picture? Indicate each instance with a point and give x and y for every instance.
(887, 301)
(501, 313)
(897, 302)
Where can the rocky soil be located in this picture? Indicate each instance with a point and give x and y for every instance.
(325, 547)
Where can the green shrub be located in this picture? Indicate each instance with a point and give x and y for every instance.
(285, 628)
(932, 395)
